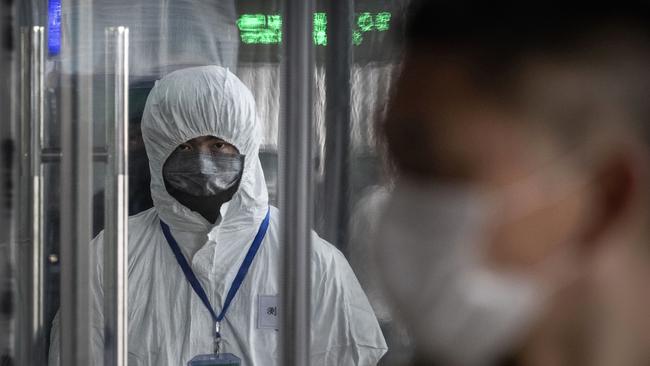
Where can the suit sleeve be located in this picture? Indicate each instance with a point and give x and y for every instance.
(345, 330)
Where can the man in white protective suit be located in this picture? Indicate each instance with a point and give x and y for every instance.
(209, 250)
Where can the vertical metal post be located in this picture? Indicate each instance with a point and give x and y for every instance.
(6, 121)
(76, 187)
(296, 185)
(30, 243)
(337, 114)
(116, 205)
(8, 173)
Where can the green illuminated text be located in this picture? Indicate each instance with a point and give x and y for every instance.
(267, 28)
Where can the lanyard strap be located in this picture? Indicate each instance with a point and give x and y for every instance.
(239, 278)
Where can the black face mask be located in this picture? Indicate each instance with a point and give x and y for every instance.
(203, 182)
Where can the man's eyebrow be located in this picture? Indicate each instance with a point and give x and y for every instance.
(216, 139)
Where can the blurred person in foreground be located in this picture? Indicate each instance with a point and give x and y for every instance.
(518, 229)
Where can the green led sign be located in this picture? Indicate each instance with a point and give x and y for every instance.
(260, 28)
(320, 29)
(267, 28)
(368, 22)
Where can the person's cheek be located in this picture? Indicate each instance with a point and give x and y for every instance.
(521, 243)
(229, 149)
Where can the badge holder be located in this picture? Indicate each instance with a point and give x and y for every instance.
(217, 358)
(222, 359)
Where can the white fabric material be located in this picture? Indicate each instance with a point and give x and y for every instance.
(458, 310)
(365, 218)
(168, 324)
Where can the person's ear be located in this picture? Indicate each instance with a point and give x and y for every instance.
(615, 187)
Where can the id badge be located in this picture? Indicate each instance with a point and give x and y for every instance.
(222, 359)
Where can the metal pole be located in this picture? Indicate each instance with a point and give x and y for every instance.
(6, 122)
(337, 114)
(116, 205)
(30, 243)
(76, 186)
(8, 174)
(296, 185)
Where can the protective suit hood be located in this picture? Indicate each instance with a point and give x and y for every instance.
(204, 101)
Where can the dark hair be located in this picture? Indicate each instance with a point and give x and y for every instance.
(515, 25)
(495, 37)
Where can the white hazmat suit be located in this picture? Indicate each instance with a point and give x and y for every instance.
(168, 323)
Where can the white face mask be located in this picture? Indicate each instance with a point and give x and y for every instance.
(458, 311)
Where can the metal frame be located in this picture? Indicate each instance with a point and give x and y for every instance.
(30, 192)
(54, 155)
(336, 184)
(6, 118)
(8, 176)
(297, 177)
(116, 205)
(76, 190)
(76, 156)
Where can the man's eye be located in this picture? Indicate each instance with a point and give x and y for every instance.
(219, 145)
(184, 147)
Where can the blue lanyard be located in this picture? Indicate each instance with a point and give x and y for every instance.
(239, 278)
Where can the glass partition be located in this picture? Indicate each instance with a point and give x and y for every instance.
(356, 52)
